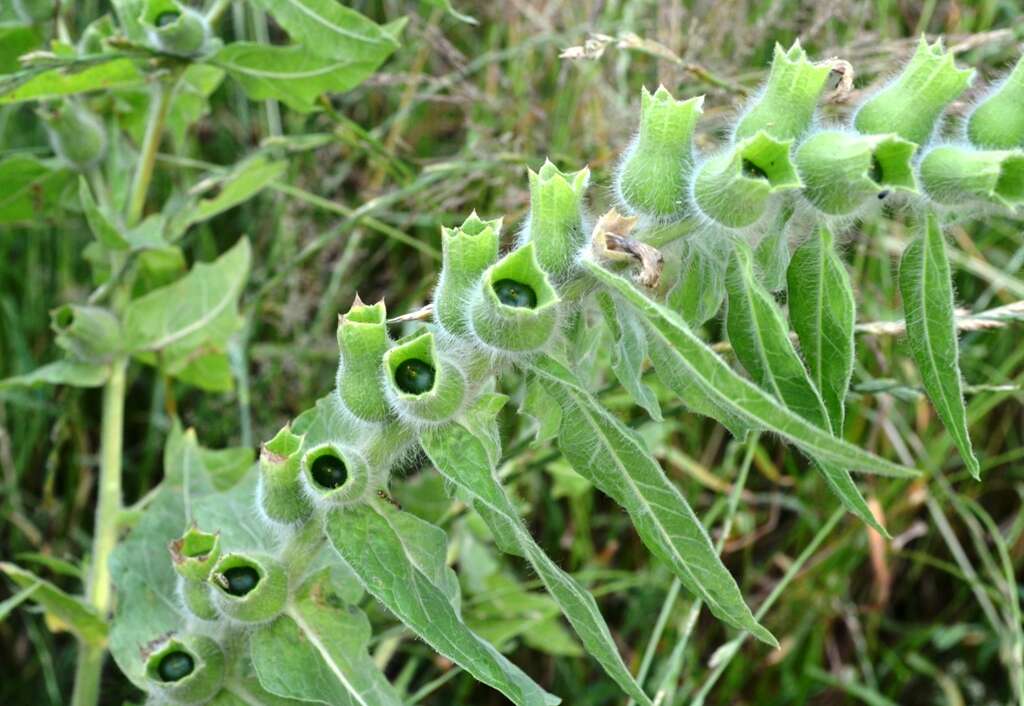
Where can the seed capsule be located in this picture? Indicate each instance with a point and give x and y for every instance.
(415, 376)
(512, 293)
(175, 666)
(329, 471)
(241, 580)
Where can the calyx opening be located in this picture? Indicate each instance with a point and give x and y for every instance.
(415, 376)
(516, 294)
(329, 471)
(175, 666)
(240, 580)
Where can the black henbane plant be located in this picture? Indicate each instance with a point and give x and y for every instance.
(266, 575)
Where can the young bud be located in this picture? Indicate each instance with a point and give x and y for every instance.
(654, 176)
(336, 475)
(175, 28)
(251, 588)
(76, 135)
(89, 333)
(785, 107)
(422, 387)
(362, 341)
(194, 553)
(911, 105)
(955, 175)
(515, 308)
(35, 11)
(466, 252)
(998, 121)
(281, 495)
(185, 669)
(733, 187)
(840, 170)
(555, 223)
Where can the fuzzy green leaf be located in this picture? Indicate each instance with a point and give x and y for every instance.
(61, 372)
(695, 361)
(760, 338)
(99, 221)
(464, 460)
(614, 458)
(105, 72)
(30, 189)
(927, 289)
(317, 651)
(629, 353)
(200, 306)
(369, 544)
(243, 182)
(822, 311)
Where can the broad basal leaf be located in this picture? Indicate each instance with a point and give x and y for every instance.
(291, 74)
(613, 458)
(760, 338)
(694, 361)
(822, 312)
(332, 30)
(463, 459)
(927, 289)
(201, 305)
(317, 651)
(369, 544)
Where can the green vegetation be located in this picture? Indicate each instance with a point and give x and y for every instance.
(193, 199)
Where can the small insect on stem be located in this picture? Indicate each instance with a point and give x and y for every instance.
(388, 499)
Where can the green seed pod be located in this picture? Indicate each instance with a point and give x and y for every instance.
(185, 669)
(954, 175)
(654, 176)
(250, 588)
(422, 387)
(841, 170)
(194, 553)
(281, 495)
(198, 598)
(35, 11)
(998, 120)
(912, 104)
(175, 28)
(466, 252)
(335, 474)
(555, 223)
(732, 188)
(785, 107)
(76, 134)
(515, 308)
(383, 449)
(362, 341)
(88, 333)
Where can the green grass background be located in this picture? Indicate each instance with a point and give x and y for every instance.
(450, 124)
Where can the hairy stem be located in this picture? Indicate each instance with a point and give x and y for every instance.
(108, 510)
(158, 107)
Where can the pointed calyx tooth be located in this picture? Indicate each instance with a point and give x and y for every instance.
(912, 104)
(998, 120)
(785, 107)
(653, 179)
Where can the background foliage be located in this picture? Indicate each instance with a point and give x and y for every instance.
(448, 125)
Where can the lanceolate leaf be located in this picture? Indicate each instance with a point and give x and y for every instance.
(186, 313)
(927, 290)
(629, 353)
(61, 372)
(371, 547)
(463, 460)
(822, 312)
(77, 76)
(29, 188)
(245, 181)
(332, 30)
(63, 611)
(695, 361)
(317, 651)
(614, 459)
(760, 338)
